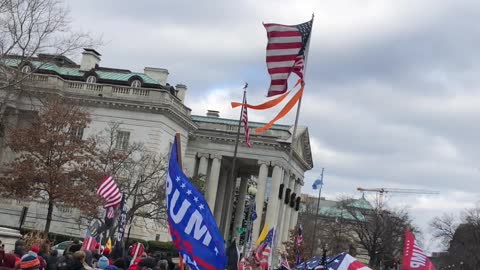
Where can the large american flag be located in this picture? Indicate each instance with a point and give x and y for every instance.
(110, 192)
(286, 53)
(245, 123)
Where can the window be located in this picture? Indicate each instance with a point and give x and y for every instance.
(136, 84)
(122, 140)
(91, 79)
(26, 69)
(77, 132)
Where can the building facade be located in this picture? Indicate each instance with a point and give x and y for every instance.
(152, 112)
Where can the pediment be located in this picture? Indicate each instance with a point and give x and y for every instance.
(302, 145)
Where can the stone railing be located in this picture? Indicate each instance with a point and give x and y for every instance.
(147, 95)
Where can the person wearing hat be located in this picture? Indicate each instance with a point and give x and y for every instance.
(36, 249)
(102, 263)
(29, 262)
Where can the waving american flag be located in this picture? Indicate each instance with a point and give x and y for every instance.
(110, 192)
(286, 53)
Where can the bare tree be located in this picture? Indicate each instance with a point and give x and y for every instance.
(444, 228)
(28, 28)
(380, 231)
(461, 236)
(141, 174)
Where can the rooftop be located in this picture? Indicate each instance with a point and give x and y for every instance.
(233, 122)
(68, 69)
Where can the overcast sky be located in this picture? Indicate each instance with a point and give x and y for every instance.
(392, 88)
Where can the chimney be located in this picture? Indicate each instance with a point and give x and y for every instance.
(158, 74)
(181, 91)
(90, 59)
(213, 114)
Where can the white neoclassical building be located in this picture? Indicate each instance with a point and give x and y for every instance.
(151, 111)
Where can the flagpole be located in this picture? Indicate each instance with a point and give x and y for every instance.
(316, 214)
(297, 116)
(299, 105)
(237, 139)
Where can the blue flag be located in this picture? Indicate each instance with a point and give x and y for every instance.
(192, 226)
(318, 182)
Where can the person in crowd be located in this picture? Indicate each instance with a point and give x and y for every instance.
(8, 262)
(19, 249)
(30, 262)
(102, 262)
(44, 250)
(64, 262)
(89, 258)
(34, 251)
(96, 253)
(79, 256)
(162, 265)
(147, 263)
(111, 267)
(120, 263)
(52, 260)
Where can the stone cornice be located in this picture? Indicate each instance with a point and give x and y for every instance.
(129, 105)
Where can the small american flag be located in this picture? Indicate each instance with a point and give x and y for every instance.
(284, 264)
(110, 192)
(286, 53)
(245, 122)
(300, 235)
(262, 254)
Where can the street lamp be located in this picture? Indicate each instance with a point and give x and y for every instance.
(252, 191)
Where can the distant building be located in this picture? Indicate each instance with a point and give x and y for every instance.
(333, 225)
(152, 111)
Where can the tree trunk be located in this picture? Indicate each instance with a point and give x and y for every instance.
(49, 216)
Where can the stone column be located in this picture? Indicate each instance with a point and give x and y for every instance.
(212, 183)
(189, 163)
(294, 214)
(219, 202)
(240, 209)
(260, 198)
(273, 201)
(281, 212)
(203, 166)
(288, 209)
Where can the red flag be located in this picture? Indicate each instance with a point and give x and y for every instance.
(89, 243)
(136, 251)
(413, 256)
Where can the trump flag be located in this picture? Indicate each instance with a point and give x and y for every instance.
(413, 256)
(191, 223)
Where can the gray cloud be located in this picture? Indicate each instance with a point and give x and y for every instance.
(392, 90)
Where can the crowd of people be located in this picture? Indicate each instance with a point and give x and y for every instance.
(74, 258)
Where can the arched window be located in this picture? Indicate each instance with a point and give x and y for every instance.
(136, 84)
(91, 79)
(26, 69)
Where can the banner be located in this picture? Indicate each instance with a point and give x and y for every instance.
(191, 223)
(120, 233)
(413, 256)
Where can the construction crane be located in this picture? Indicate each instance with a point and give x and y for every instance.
(382, 191)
